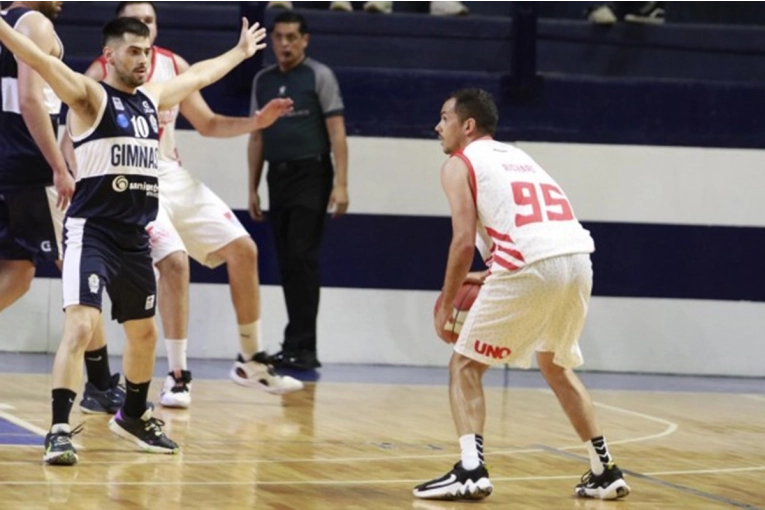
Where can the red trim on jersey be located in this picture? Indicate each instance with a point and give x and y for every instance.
(499, 237)
(506, 264)
(166, 53)
(154, 51)
(513, 253)
(471, 175)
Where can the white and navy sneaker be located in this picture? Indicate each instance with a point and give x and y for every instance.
(459, 483)
(608, 485)
(176, 391)
(257, 372)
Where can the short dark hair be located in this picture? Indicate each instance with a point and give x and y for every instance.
(121, 7)
(476, 104)
(118, 27)
(292, 17)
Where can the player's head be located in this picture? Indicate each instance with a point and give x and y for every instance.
(466, 115)
(145, 12)
(50, 10)
(127, 49)
(289, 37)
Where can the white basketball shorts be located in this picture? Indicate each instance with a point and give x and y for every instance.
(191, 218)
(541, 307)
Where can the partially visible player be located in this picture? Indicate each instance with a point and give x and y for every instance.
(115, 129)
(35, 184)
(192, 220)
(533, 300)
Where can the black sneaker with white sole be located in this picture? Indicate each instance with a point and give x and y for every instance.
(145, 431)
(459, 483)
(59, 450)
(609, 484)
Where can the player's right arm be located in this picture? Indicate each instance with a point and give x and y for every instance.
(97, 72)
(32, 104)
(200, 75)
(82, 94)
(456, 183)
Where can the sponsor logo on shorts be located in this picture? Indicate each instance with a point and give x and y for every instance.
(150, 302)
(46, 246)
(94, 283)
(491, 351)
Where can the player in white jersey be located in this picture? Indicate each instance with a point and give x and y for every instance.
(116, 141)
(192, 220)
(533, 298)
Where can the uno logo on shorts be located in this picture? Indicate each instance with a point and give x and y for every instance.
(120, 183)
(491, 351)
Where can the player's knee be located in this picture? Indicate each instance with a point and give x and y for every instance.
(554, 374)
(143, 335)
(79, 331)
(462, 366)
(175, 265)
(241, 252)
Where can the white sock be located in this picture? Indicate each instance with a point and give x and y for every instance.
(176, 353)
(470, 456)
(60, 427)
(249, 339)
(598, 460)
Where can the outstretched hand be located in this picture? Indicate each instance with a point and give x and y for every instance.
(250, 38)
(274, 109)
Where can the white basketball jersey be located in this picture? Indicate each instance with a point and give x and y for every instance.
(523, 214)
(163, 68)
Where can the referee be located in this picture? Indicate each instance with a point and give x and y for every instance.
(303, 182)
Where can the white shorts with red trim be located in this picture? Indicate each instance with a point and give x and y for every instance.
(541, 307)
(191, 218)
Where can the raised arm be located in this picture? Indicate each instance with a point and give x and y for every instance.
(82, 94)
(207, 72)
(97, 72)
(208, 123)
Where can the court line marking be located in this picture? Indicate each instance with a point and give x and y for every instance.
(671, 428)
(646, 476)
(27, 426)
(755, 397)
(650, 477)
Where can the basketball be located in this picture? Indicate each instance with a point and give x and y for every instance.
(462, 302)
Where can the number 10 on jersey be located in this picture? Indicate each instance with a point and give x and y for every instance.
(540, 202)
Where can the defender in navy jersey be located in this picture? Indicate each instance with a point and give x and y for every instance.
(35, 186)
(30, 159)
(115, 130)
(194, 222)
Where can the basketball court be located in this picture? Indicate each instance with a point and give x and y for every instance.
(360, 437)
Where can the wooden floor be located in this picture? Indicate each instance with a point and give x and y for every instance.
(364, 446)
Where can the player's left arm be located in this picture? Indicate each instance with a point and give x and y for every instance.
(338, 200)
(204, 73)
(456, 183)
(208, 123)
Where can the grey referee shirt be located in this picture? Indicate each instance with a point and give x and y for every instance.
(303, 133)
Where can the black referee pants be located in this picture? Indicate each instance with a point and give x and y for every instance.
(298, 193)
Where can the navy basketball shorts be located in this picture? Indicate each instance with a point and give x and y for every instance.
(26, 226)
(98, 256)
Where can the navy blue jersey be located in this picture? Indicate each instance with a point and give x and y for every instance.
(117, 162)
(22, 164)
